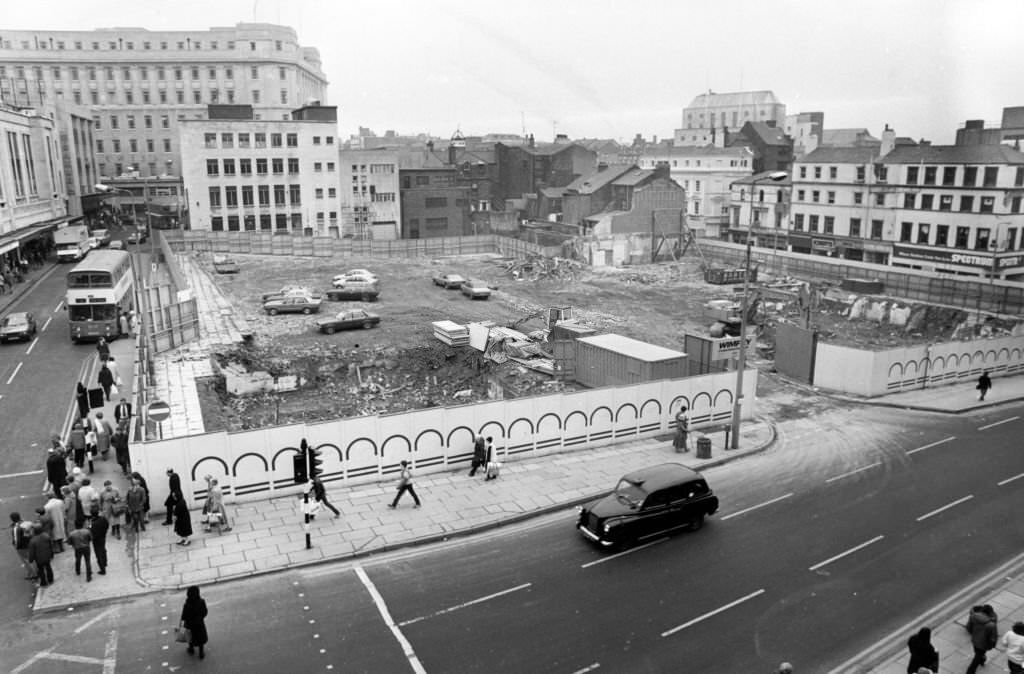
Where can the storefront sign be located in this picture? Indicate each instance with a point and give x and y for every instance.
(726, 347)
(948, 256)
(822, 244)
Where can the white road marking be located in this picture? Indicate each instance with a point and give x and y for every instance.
(57, 308)
(414, 661)
(945, 507)
(759, 505)
(30, 472)
(1009, 480)
(31, 661)
(43, 329)
(110, 653)
(933, 444)
(712, 613)
(13, 374)
(101, 616)
(465, 604)
(619, 554)
(588, 668)
(844, 554)
(998, 423)
(32, 346)
(853, 472)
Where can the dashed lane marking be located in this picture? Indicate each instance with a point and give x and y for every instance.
(14, 374)
(844, 554)
(588, 668)
(997, 423)
(465, 604)
(620, 554)
(1009, 480)
(30, 472)
(32, 346)
(755, 507)
(930, 445)
(46, 324)
(382, 608)
(945, 507)
(853, 472)
(709, 614)
(58, 307)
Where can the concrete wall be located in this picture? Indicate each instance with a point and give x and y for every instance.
(257, 464)
(876, 373)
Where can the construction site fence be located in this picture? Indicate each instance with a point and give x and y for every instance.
(172, 313)
(262, 243)
(989, 295)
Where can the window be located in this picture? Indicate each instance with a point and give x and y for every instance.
(255, 96)
(293, 165)
(279, 195)
(197, 96)
(177, 73)
(981, 239)
(812, 223)
(927, 202)
(696, 186)
(150, 145)
(880, 199)
(292, 140)
(332, 193)
(109, 72)
(254, 72)
(1015, 205)
(330, 140)
(799, 195)
(229, 167)
(129, 97)
(803, 170)
(962, 234)
(923, 233)
(815, 196)
(284, 97)
(167, 144)
(294, 192)
(277, 45)
(99, 145)
(212, 167)
(830, 224)
(318, 167)
(247, 195)
(281, 221)
(831, 196)
(213, 73)
(316, 140)
(949, 176)
(179, 96)
(232, 223)
(817, 173)
(330, 167)
(259, 140)
(145, 96)
(876, 229)
(906, 231)
(946, 202)
(261, 167)
(116, 143)
(855, 227)
(126, 72)
(422, 180)
(243, 140)
(912, 175)
(991, 174)
(930, 174)
(147, 121)
(436, 223)
(941, 235)
(264, 195)
(319, 193)
(231, 196)
(858, 198)
(436, 202)
(1018, 181)
(217, 223)
(833, 172)
(275, 140)
(210, 140)
(281, 73)
(278, 165)
(860, 174)
(113, 122)
(214, 95)
(227, 140)
(987, 204)
(214, 197)
(265, 221)
(910, 201)
(245, 167)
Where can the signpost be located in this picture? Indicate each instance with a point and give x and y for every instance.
(158, 411)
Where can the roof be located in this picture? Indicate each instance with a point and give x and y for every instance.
(633, 178)
(548, 148)
(736, 98)
(695, 151)
(840, 155)
(663, 475)
(633, 348)
(847, 137)
(762, 177)
(552, 192)
(766, 133)
(421, 160)
(592, 182)
(954, 154)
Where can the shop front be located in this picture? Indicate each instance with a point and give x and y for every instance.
(961, 262)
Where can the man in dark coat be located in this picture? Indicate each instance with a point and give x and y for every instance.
(122, 412)
(984, 384)
(99, 527)
(120, 442)
(56, 470)
(479, 454)
(106, 380)
(40, 553)
(81, 541)
(984, 631)
(174, 495)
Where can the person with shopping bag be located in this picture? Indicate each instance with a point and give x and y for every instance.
(192, 629)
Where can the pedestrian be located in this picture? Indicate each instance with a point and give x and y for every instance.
(55, 509)
(984, 384)
(182, 522)
(120, 441)
(491, 467)
(133, 322)
(405, 485)
(112, 366)
(982, 625)
(98, 528)
(90, 446)
(135, 500)
(103, 349)
(87, 497)
(56, 469)
(215, 503)
(479, 454)
(81, 541)
(122, 323)
(106, 380)
(1013, 642)
(77, 442)
(122, 412)
(173, 496)
(21, 534)
(193, 618)
(679, 442)
(40, 553)
(320, 494)
(145, 488)
(113, 507)
(82, 398)
(922, 653)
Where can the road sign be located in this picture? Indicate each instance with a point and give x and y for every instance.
(158, 410)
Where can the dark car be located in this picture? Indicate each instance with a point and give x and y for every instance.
(647, 503)
(448, 280)
(475, 289)
(293, 304)
(366, 294)
(20, 325)
(348, 320)
(137, 236)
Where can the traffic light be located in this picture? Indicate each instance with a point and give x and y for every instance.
(299, 472)
(314, 462)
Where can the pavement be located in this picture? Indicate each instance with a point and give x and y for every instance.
(269, 536)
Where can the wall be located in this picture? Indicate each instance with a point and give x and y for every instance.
(253, 465)
(876, 373)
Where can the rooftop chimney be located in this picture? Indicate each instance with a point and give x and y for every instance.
(888, 141)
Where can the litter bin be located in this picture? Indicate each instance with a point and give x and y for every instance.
(703, 448)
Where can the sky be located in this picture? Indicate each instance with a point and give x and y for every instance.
(616, 68)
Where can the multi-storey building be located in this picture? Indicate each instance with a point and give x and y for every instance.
(74, 124)
(247, 174)
(32, 188)
(433, 203)
(371, 208)
(142, 84)
(709, 117)
(805, 128)
(761, 205)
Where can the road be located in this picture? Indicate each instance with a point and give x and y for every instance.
(858, 521)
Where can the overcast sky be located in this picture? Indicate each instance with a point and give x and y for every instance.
(614, 68)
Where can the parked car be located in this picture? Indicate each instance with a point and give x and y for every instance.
(475, 289)
(359, 272)
(348, 320)
(449, 280)
(117, 244)
(20, 325)
(355, 281)
(293, 304)
(287, 291)
(137, 236)
(647, 503)
(222, 264)
(366, 294)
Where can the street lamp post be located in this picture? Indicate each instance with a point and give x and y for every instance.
(741, 363)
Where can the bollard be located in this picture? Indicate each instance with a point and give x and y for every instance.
(704, 448)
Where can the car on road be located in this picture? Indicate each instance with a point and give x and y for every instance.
(102, 237)
(94, 243)
(293, 304)
(365, 294)
(20, 325)
(117, 244)
(446, 280)
(355, 281)
(475, 289)
(137, 236)
(287, 291)
(647, 503)
(348, 320)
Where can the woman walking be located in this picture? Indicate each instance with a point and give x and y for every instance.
(82, 398)
(193, 618)
(182, 521)
(922, 653)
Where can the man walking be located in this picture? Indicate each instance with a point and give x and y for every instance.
(983, 627)
(99, 527)
(135, 499)
(56, 469)
(174, 494)
(984, 384)
(123, 411)
(320, 494)
(21, 534)
(81, 541)
(104, 431)
(40, 553)
(479, 455)
(405, 485)
(105, 379)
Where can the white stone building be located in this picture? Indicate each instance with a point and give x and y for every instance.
(371, 207)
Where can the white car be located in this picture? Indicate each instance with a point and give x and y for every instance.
(359, 272)
(355, 281)
(94, 243)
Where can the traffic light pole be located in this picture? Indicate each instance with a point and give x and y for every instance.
(305, 509)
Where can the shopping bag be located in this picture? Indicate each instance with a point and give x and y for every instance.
(493, 469)
(113, 389)
(182, 634)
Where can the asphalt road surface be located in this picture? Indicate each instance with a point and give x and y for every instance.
(856, 522)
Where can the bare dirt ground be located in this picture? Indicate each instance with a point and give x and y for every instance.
(400, 365)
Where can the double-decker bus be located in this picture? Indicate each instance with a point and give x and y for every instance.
(99, 291)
